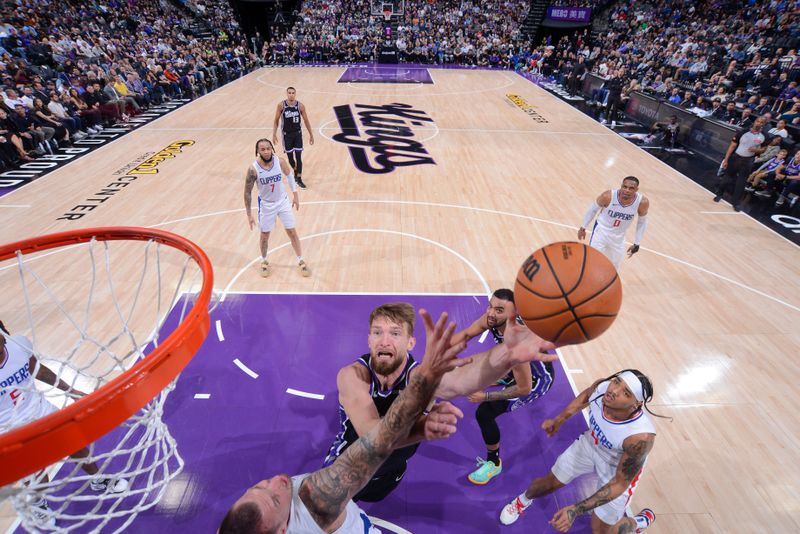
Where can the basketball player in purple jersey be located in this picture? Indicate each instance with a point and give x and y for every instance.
(322, 501)
(288, 114)
(615, 447)
(369, 386)
(521, 386)
(266, 173)
(617, 209)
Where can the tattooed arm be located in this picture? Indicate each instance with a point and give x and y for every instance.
(523, 379)
(326, 492)
(250, 179)
(636, 448)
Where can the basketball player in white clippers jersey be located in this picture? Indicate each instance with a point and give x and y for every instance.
(21, 403)
(267, 173)
(288, 114)
(322, 501)
(620, 436)
(617, 209)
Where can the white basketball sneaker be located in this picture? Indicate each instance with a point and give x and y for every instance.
(512, 511)
(108, 485)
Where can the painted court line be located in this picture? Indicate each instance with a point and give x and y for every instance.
(485, 210)
(299, 393)
(722, 213)
(246, 369)
(202, 395)
(219, 331)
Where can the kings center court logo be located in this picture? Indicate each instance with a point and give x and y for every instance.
(382, 138)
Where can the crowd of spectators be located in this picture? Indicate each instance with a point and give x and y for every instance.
(69, 69)
(723, 60)
(464, 32)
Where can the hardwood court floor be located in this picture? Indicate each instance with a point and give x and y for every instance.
(711, 307)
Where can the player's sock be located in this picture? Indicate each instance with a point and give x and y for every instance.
(299, 259)
(644, 519)
(493, 456)
(524, 499)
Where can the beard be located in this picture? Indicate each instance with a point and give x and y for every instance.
(386, 367)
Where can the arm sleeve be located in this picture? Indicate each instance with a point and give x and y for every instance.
(292, 182)
(641, 224)
(590, 214)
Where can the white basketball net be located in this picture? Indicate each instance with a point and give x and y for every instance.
(87, 327)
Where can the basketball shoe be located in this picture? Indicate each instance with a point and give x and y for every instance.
(109, 485)
(305, 270)
(266, 269)
(513, 510)
(644, 519)
(485, 472)
(42, 514)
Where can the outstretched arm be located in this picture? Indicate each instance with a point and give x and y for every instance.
(250, 179)
(636, 449)
(580, 402)
(46, 375)
(478, 327)
(520, 346)
(326, 492)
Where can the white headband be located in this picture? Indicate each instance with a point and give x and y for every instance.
(634, 384)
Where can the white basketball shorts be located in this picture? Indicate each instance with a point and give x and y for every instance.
(269, 211)
(613, 249)
(580, 458)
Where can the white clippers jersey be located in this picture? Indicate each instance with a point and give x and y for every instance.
(270, 188)
(608, 435)
(301, 522)
(19, 400)
(615, 219)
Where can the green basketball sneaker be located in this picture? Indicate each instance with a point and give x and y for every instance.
(485, 472)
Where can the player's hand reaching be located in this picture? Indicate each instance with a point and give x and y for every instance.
(523, 345)
(581, 234)
(310, 138)
(564, 518)
(442, 420)
(296, 201)
(551, 426)
(477, 397)
(251, 221)
(440, 357)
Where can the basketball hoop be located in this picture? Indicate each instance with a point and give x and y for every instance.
(387, 14)
(129, 384)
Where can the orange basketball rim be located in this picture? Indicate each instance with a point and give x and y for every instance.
(29, 448)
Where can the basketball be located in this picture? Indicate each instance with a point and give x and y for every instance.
(567, 293)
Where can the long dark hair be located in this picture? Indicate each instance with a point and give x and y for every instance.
(647, 391)
(264, 140)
